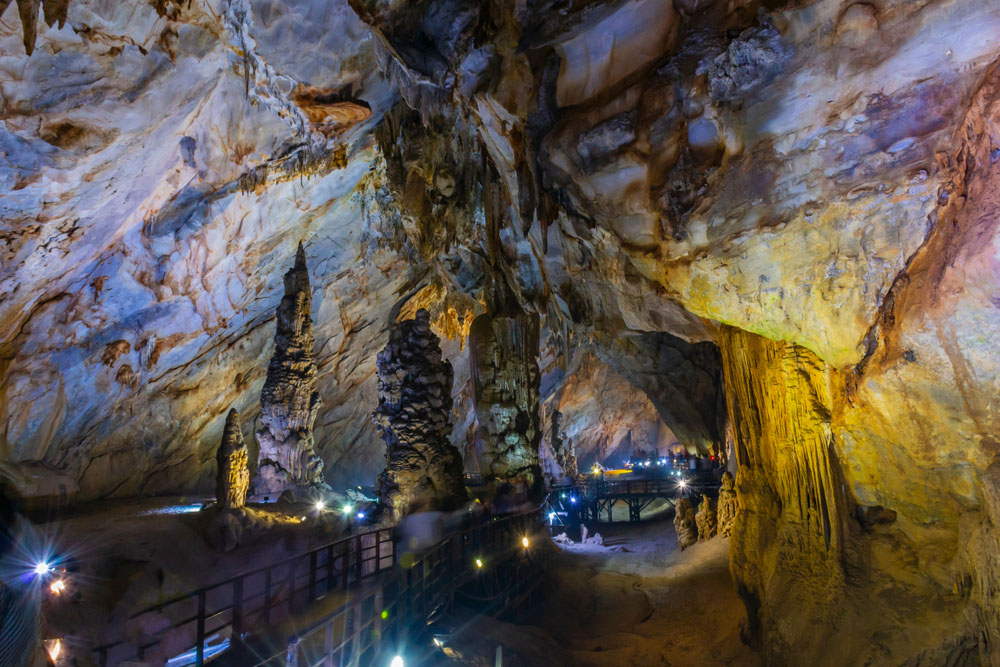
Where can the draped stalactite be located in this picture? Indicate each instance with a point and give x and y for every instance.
(786, 550)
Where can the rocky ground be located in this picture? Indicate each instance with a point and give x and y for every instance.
(649, 604)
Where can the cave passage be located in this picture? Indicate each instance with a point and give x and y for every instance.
(332, 332)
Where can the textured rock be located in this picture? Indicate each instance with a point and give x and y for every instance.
(684, 523)
(706, 519)
(423, 470)
(564, 450)
(727, 506)
(503, 354)
(289, 402)
(233, 475)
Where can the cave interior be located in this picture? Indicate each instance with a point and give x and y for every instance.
(507, 332)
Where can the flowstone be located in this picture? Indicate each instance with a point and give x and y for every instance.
(423, 470)
(289, 401)
(233, 476)
(684, 524)
(706, 519)
(726, 514)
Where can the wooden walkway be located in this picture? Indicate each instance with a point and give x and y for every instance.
(591, 500)
(346, 603)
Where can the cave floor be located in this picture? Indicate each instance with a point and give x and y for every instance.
(650, 604)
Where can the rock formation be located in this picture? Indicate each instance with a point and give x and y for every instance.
(684, 523)
(423, 470)
(289, 401)
(727, 505)
(233, 476)
(563, 449)
(706, 519)
(503, 354)
(803, 197)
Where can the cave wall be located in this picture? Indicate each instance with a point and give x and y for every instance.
(153, 187)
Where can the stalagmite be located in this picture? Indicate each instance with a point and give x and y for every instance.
(289, 400)
(233, 476)
(423, 469)
(564, 450)
(726, 515)
(706, 519)
(503, 353)
(684, 523)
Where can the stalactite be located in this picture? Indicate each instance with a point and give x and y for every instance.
(788, 537)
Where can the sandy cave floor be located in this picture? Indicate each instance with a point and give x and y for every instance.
(648, 605)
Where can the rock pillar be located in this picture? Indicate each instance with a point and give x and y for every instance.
(706, 519)
(423, 471)
(684, 523)
(727, 504)
(503, 354)
(233, 477)
(289, 400)
(564, 451)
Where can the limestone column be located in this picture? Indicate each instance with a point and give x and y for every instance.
(289, 401)
(423, 470)
(233, 476)
(503, 353)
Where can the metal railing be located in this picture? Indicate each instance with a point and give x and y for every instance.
(381, 618)
(264, 597)
(259, 598)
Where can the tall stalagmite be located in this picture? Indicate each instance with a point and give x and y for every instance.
(233, 476)
(684, 523)
(726, 514)
(503, 354)
(423, 470)
(706, 519)
(289, 400)
(563, 449)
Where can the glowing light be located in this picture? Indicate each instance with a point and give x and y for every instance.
(347, 509)
(385, 614)
(57, 586)
(524, 541)
(54, 649)
(682, 483)
(43, 568)
(361, 515)
(438, 642)
(396, 662)
(320, 505)
(572, 499)
(552, 517)
(479, 562)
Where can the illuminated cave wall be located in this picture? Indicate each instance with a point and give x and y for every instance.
(605, 417)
